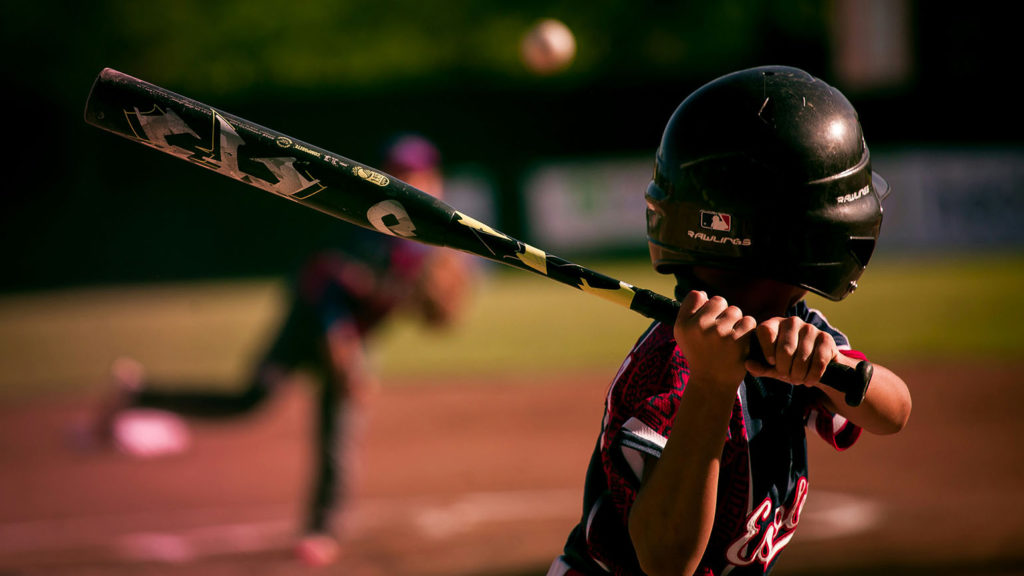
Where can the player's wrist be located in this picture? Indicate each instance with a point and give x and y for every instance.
(714, 385)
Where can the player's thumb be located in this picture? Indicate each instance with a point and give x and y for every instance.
(691, 303)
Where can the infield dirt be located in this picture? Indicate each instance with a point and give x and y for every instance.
(474, 478)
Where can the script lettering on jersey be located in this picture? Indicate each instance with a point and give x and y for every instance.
(764, 539)
(165, 130)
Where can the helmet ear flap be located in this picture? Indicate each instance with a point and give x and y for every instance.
(861, 247)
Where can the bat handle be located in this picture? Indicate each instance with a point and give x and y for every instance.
(851, 381)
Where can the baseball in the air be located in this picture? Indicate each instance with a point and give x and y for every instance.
(548, 47)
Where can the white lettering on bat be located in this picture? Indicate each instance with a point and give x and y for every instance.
(222, 156)
(390, 217)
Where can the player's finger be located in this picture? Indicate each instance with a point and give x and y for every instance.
(727, 321)
(807, 341)
(687, 316)
(825, 351)
(767, 332)
(786, 346)
(691, 303)
(745, 325)
(709, 313)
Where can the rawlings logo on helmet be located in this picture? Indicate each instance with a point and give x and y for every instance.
(846, 198)
(718, 239)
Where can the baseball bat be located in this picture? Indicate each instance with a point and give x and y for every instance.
(352, 192)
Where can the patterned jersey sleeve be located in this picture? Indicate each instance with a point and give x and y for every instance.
(641, 407)
(833, 428)
(638, 414)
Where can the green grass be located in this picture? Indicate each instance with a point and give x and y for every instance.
(962, 306)
(521, 323)
(518, 324)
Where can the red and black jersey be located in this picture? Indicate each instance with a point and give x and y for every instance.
(763, 478)
(364, 282)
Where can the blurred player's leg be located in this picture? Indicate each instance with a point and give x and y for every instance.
(121, 423)
(317, 549)
(319, 544)
(147, 420)
(338, 435)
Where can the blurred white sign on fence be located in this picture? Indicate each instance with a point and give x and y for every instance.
(965, 198)
(588, 205)
(944, 198)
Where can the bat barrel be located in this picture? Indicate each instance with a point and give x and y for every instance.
(264, 158)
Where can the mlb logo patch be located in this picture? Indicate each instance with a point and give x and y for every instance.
(719, 221)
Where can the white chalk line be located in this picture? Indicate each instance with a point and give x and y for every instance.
(835, 515)
(128, 537)
(473, 510)
(203, 542)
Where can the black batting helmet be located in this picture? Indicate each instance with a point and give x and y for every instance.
(766, 170)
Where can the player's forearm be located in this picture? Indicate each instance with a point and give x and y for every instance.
(886, 406)
(671, 519)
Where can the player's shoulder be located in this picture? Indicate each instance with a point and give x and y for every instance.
(649, 382)
(654, 357)
(656, 338)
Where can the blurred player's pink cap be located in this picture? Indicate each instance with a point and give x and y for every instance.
(412, 152)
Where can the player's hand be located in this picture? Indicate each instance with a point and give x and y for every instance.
(714, 337)
(795, 351)
(442, 288)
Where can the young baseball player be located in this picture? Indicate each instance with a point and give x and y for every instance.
(339, 298)
(762, 192)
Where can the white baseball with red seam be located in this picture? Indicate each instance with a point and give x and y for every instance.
(548, 47)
